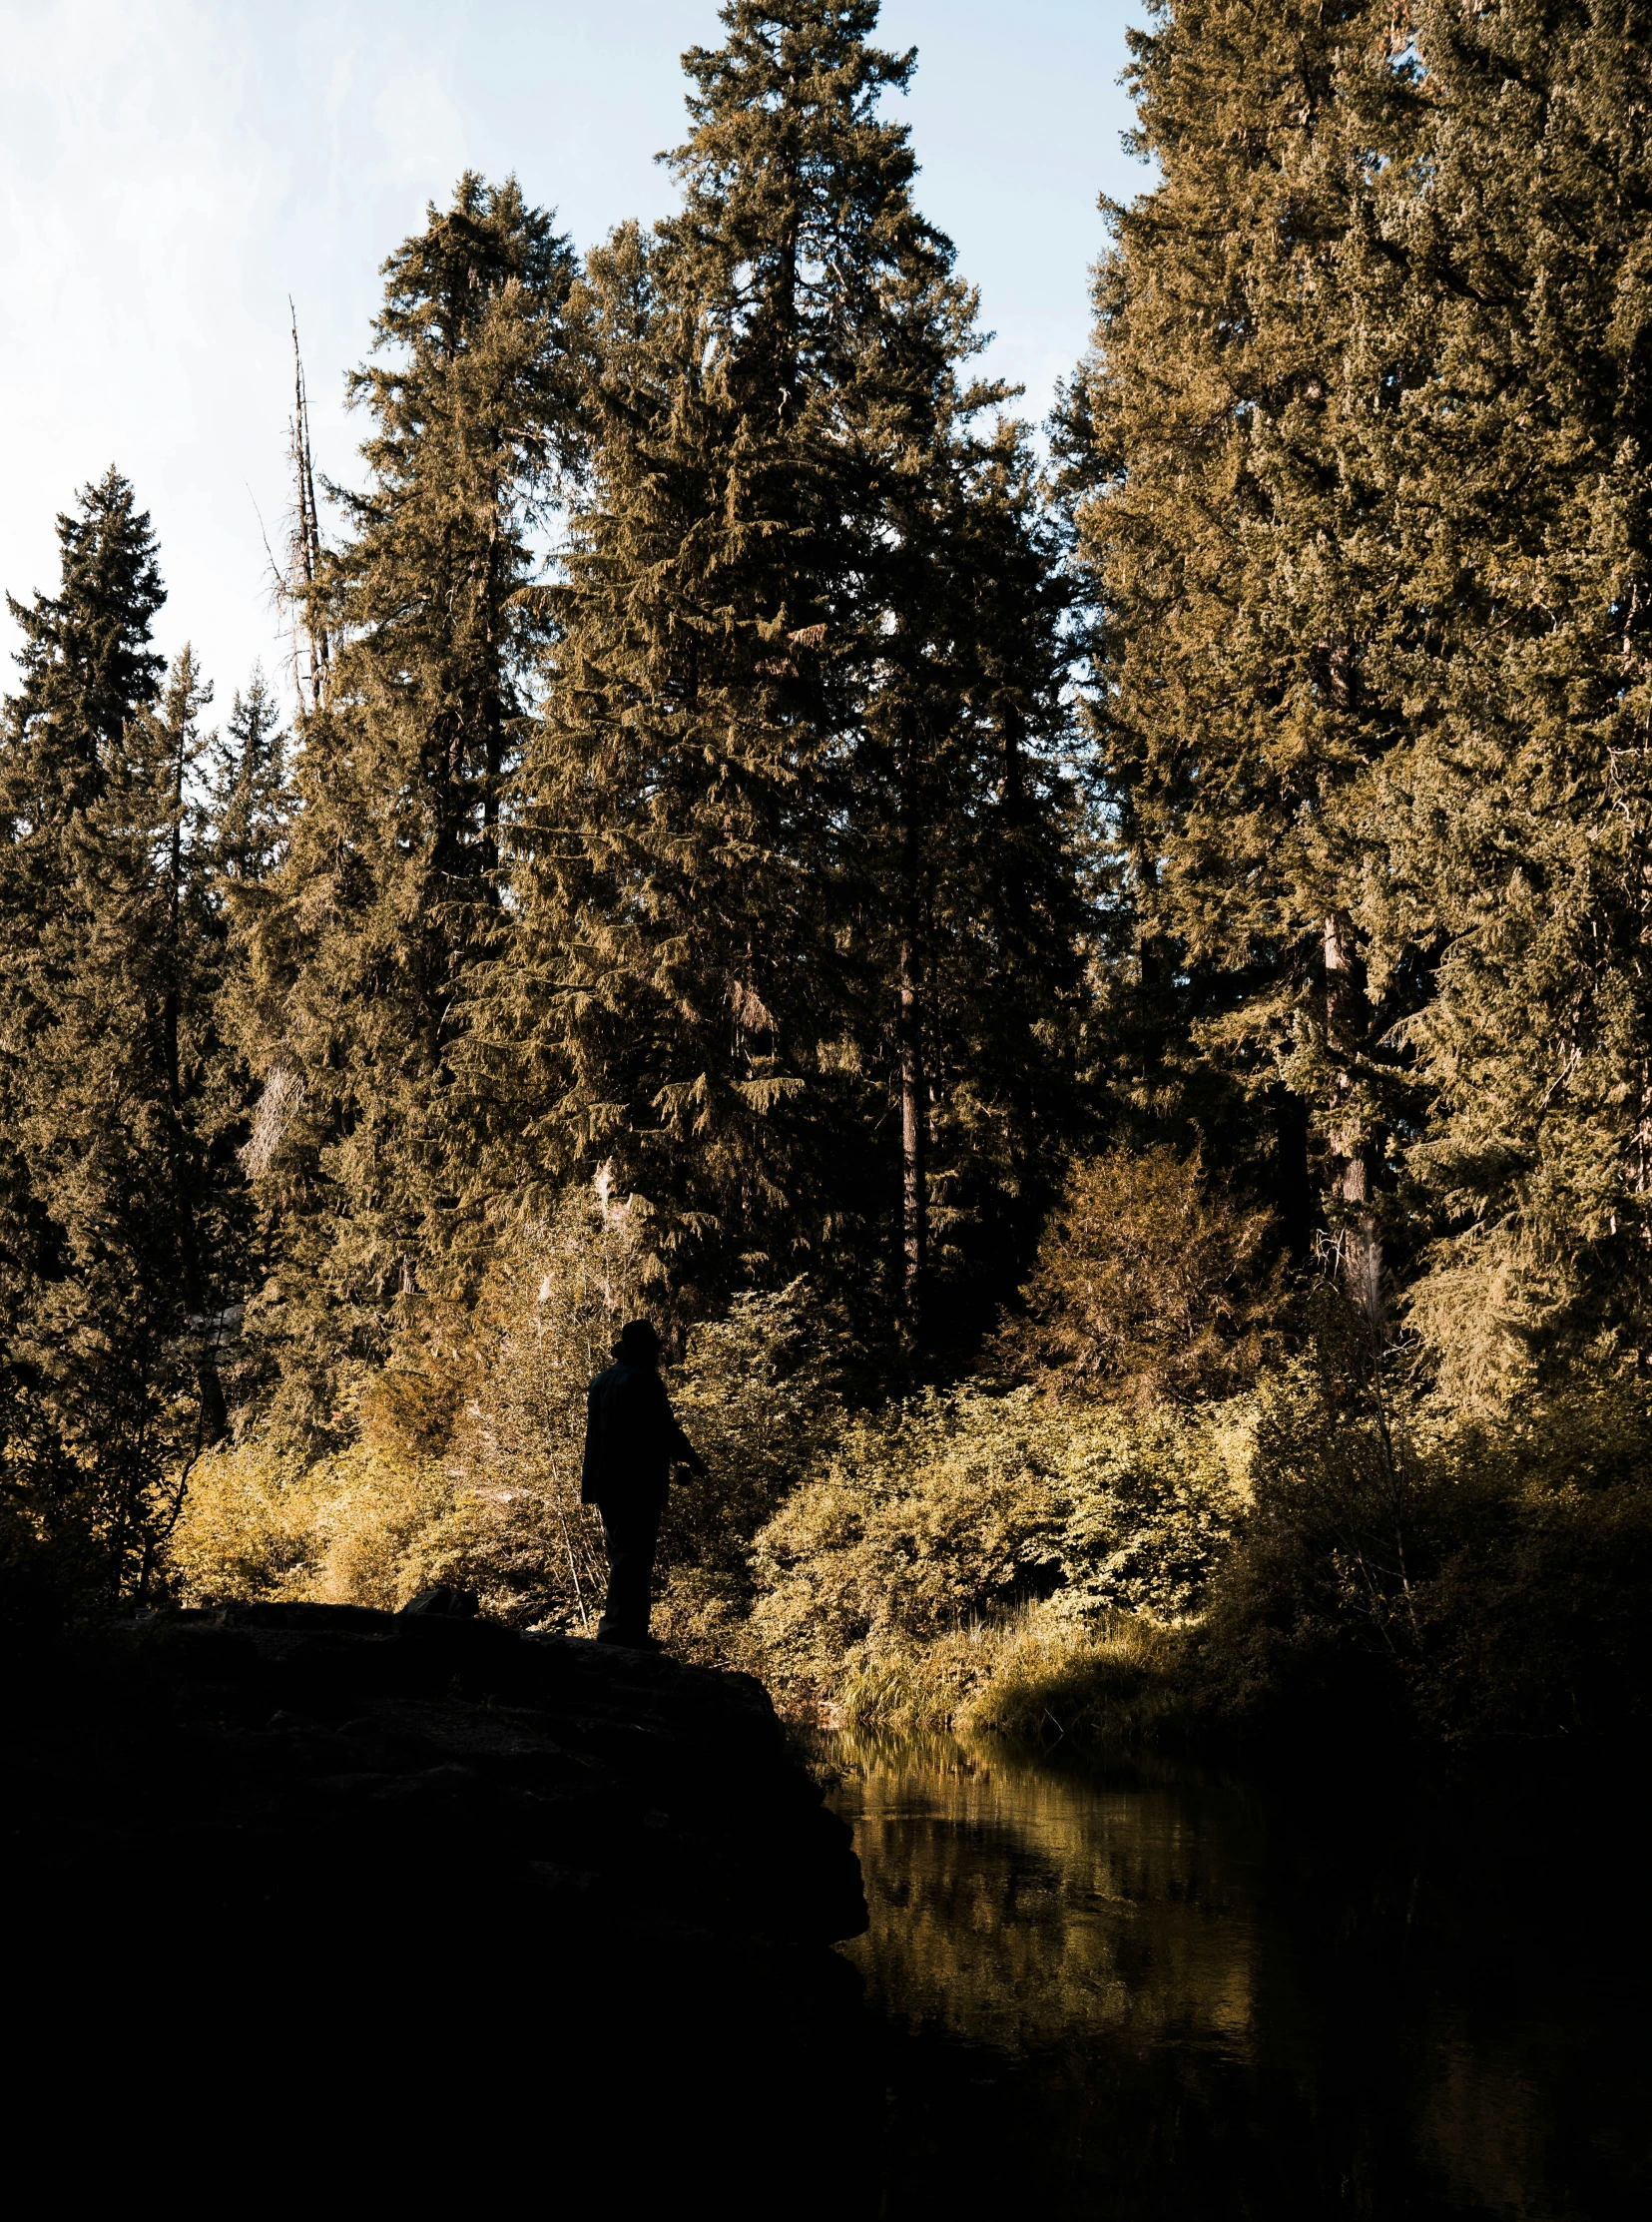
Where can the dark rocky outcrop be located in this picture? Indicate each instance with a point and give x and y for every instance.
(375, 1831)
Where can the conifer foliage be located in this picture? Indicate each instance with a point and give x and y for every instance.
(1359, 467)
(802, 633)
(1225, 521)
(1518, 820)
(388, 895)
(249, 792)
(727, 768)
(122, 1217)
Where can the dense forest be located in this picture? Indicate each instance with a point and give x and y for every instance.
(1093, 980)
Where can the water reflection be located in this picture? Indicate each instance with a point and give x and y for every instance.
(1129, 1998)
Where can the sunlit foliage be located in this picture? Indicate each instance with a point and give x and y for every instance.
(1103, 1012)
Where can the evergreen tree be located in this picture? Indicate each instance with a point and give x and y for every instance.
(1359, 474)
(251, 798)
(1227, 496)
(959, 842)
(250, 807)
(367, 1139)
(722, 991)
(116, 1101)
(1519, 816)
(86, 666)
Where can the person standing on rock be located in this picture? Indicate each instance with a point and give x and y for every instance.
(632, 1441)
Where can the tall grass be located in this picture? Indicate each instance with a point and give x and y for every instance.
(1034, 1676)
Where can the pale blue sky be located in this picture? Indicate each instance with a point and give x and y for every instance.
(171, 170)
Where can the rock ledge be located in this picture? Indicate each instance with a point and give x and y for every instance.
(545, 1873)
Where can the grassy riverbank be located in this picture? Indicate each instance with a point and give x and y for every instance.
(1468, 1588)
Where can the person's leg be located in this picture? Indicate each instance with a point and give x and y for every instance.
(629, 1533)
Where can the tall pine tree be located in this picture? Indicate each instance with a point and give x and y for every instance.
(250, 795)
(86, 665)
(1519, 816)
(725, 991)
(1229, 516)
(116, 1110)
(956, 850)
(369, 1133)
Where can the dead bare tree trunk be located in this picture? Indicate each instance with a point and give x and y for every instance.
(306, 554)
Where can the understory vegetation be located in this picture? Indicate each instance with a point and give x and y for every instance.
(1333, 1553)
(1095, 987)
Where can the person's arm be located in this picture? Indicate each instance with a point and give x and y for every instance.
(679, 1450)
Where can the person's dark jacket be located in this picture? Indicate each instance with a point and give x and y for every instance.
(632, 1440)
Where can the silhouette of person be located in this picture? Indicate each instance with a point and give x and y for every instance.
(632, 1441)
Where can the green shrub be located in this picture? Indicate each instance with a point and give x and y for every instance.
(1033, 1676)
(466, 1463)
(941, 1511)
(956, 1509)
(1326, 1559)
(466, 1467)
(753, 1394)
(1407, 1574)
(553, 1305)
(248, 1530)
(1153, 1283)
(1154, 1501)
(363, 1527)
(757, 1396)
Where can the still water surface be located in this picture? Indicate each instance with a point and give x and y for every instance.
(1123, 1998)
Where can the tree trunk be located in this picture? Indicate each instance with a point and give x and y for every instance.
(214, 1407)
(915, 1179)
(1293, 1191)
(308, 530)
(1351, 1173)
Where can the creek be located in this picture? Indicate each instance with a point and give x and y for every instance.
(1113, 1995)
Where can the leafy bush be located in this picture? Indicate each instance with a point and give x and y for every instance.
(1152, 1284)
(1324, 1559)
(957, 1508)
(1328, 1560)
(466, 1468)
(248, 1530)
(466, 1463)
(363, 1527)
(939, 1512)
(1407, 1574)
(550, 1312)
(1154, 1502)
(758, 1397)
(1036, 1677)
(753, 1395)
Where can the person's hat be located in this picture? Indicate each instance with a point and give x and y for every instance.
(638, 1344)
